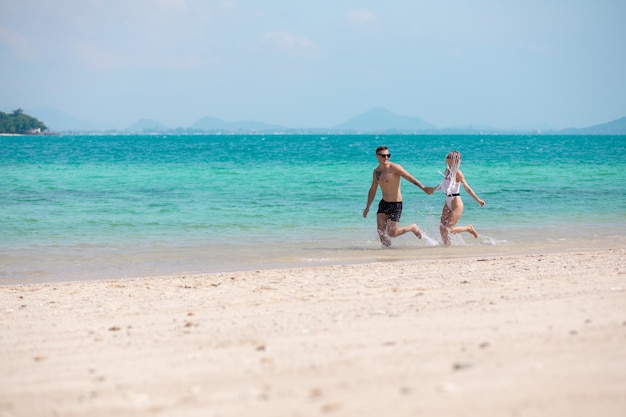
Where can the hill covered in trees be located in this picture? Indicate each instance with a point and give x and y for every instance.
(20, 123)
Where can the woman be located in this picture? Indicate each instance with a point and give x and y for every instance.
(453, 208)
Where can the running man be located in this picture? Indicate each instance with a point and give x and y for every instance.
(387, 175)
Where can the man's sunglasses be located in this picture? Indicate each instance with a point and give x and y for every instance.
(384, 155)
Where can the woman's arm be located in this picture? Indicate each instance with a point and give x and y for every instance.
(461, 179)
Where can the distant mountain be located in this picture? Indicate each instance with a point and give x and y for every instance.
(148, 125)
(380, 119)
(534, 127)
(467, 130)
(372, 121)
(212, 123)
(58, 121)
(209, 123)
(615, 127)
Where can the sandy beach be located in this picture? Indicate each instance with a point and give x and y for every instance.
(521, 335)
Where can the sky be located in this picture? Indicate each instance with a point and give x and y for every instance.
(317, 63)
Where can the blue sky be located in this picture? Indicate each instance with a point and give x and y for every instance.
(307, 63)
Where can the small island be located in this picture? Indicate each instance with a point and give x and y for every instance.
(18, 123)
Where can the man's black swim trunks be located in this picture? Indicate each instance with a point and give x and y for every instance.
(392, 210)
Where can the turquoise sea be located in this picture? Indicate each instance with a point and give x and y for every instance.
(89, 207)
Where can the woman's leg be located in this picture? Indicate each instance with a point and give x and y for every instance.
(469, 229)
(457, 210)
(446, 213)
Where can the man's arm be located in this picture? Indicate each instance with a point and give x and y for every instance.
(371, 193)
(410, 178)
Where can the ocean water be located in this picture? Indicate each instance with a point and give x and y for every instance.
(89, 207)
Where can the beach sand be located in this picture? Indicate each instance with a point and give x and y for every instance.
(522, 335)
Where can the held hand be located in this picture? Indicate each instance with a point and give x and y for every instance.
(429, 190)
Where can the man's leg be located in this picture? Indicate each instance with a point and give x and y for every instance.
(395, 231)
(381, 225)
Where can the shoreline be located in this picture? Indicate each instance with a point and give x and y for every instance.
(31, 134)
(518, 334)
(104, 262)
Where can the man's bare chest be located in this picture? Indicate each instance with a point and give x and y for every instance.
(384, 176)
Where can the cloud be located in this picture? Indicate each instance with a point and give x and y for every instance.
(172, 5)
(19, 45)
(187, 63)
(100, 59)
(291, 44)
(363, 19)
(97, 58)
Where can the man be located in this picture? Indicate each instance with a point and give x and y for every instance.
(387, 175)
